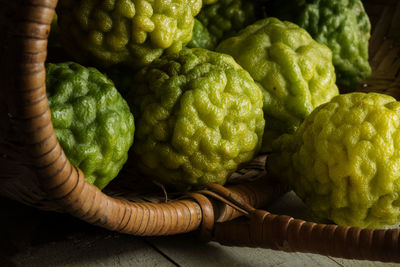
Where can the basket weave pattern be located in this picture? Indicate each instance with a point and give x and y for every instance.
(35, 170)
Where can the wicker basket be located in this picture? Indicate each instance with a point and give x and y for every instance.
(35, 171)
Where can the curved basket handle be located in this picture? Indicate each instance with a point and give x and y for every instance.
(285, 233)
(26, 25)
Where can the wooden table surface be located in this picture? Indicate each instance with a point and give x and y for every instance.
(29, 237)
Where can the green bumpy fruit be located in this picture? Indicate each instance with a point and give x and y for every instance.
(199, 115)
(201, 38)
(92, 121)
(344, 160)
(227, 17)
(343, 25)
(129, 32)
(294, 71)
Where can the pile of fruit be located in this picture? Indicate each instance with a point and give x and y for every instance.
(192, 89)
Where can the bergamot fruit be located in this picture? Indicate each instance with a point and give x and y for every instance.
(201, 38)
(343, 25)
(294, 71)
(92, 121)
(227, 17)
(129, 32)
(344, 160)
(198, 116)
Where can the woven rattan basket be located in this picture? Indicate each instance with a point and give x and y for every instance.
(35, 171)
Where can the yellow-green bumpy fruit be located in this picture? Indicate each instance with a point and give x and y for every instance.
(199, 115)
(344, 160)
(134, 32)
(295, 72)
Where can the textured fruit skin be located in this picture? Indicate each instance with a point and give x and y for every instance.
(201, 37)
(130, 32)
(199, 115)
(294, 71)
(343, 25)
(92, 121)
(344, 160)
(227, 17)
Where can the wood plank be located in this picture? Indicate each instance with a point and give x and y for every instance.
(187, 251)
(96, 251)
(351, 263)
(29, 237)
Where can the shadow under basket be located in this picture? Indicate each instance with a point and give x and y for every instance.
(35, 171)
